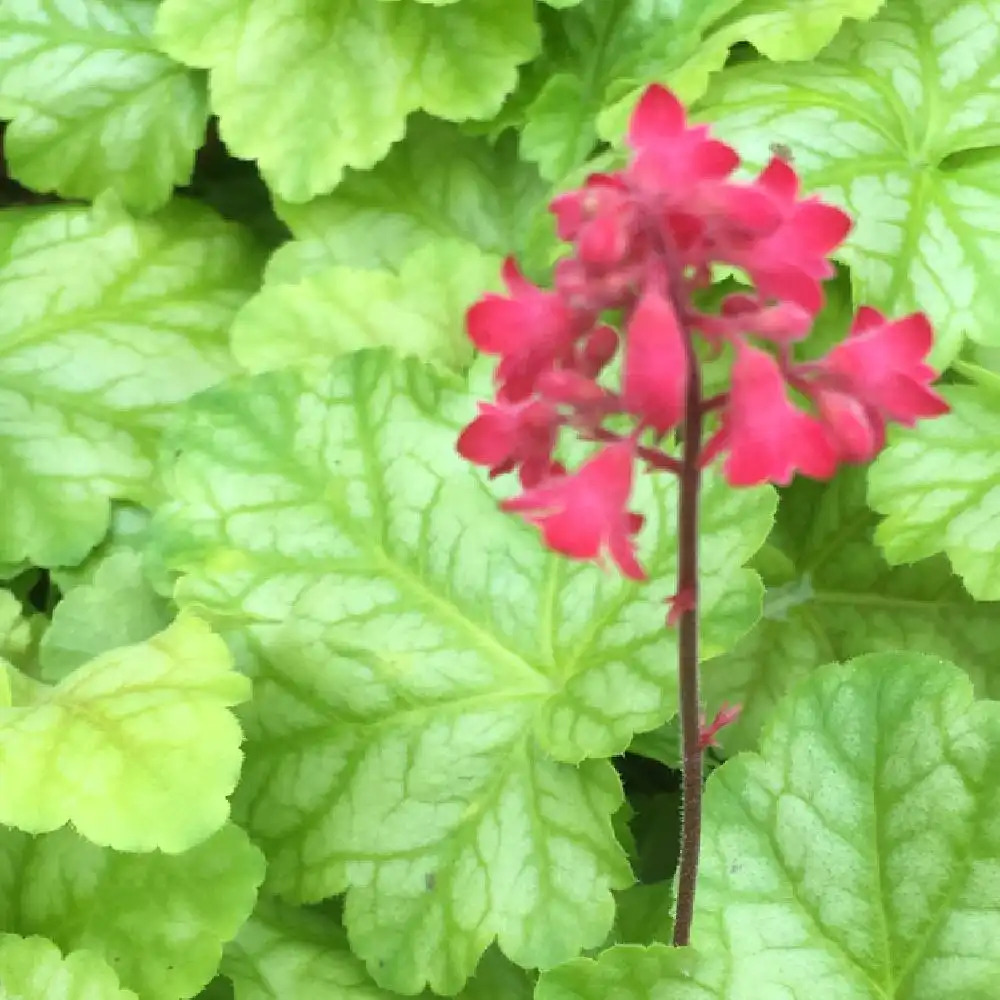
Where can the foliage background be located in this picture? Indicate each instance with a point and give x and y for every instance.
(289, 710)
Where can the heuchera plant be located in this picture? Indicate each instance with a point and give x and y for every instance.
(644, 243)
(289, 710)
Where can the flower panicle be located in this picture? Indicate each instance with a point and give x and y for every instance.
(643, 243)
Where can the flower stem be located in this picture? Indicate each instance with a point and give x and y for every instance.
(687, 652)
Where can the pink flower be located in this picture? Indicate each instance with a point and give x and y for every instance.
(726, 716)
(882, 363)
(513, 436)
(656, 364)
(768, 438)
(530, 329)
(876, 375)
(681, 173)
(670, 154)
(584, 514)
(644, 240)
(597, 351)
(739, 314)
(856, 431)
(792, 262)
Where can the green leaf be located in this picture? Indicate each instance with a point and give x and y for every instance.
(604, 49)
(877, 124)
(218, 989)
(94, 104)
(406, 634)
(147, 305)
(290, 953)
(837, 598)
(936, 485)
(18, 634)
(372, 64)
(158, 920)
(418, 310)
(436, 183)
(6, 694)
(792, 29)
(126, 533)
(626, 972)
(857, 856)
(137, 749)
(117, 608)
(559, 131)
(34, 969)
(644, 914)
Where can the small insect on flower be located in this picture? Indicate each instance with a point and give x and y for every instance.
(782, 152)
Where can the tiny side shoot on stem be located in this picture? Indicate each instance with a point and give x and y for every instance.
(642, 244)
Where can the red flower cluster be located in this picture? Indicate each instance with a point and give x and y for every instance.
(644, 241)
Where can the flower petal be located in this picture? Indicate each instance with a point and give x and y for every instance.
(656, 364)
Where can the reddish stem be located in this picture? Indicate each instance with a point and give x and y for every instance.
(654, 457)
(714, 402)
(687, 651)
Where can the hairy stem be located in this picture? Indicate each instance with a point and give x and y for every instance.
(687, 651)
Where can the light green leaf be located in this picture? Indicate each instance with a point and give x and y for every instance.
(418, 311)
(938, 485)
(837, 598)
(436, 183)
(308, 89)
(791, 29)
(94, 104)
(34, 969)
(147, 305)
(876, 123)
(158, 920)
(627, 972)
(137, 749)
(290, 953)
(857, 857)
(126, 533)
(117, 608)
(411, 637)
(18, 635)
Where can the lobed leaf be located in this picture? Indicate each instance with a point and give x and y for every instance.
(116, 608)
(373, 64)
(792, 29)
(435, 184)
(418, 310)
(33, 968)
(137, 749)
(882, 122)
(626, 972)
(404, 635)
(857, 857)
(938, 487)
(603, 53)
(291, 953)
(94, 104)
(147, 303)
(158, 920)
(832, 596)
